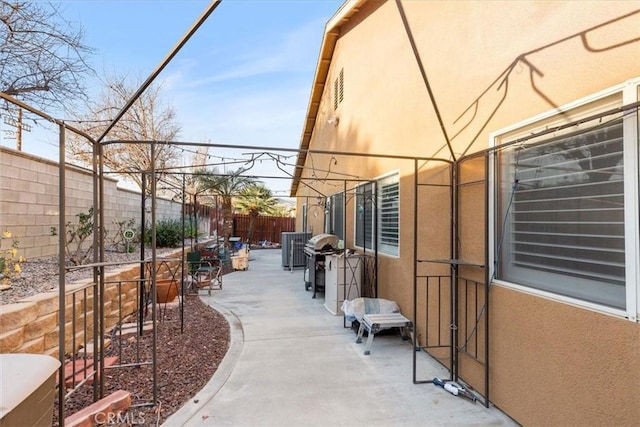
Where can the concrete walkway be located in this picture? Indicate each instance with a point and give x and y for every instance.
(291, 363)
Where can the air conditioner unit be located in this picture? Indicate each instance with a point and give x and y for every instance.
(293, 249)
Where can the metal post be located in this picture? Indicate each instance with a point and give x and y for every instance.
(415, 269)
(99, 251)
(153, 276)
(486, 281)
(452, 287)
(143, 237)
(182, 258)
(195, 216)
(61, 271)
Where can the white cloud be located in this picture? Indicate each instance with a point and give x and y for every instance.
(291, 52)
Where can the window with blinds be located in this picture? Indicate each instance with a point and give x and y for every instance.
(335, 215)
(389, 212)
(364, 216)
(338, 214)
(561, 215)
(378, 214)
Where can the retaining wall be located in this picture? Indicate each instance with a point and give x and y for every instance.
(32, 324)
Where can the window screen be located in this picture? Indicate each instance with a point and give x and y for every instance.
(561, 215)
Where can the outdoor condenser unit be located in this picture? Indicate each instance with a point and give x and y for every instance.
(293, 249)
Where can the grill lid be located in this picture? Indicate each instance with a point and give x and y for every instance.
(323, 242)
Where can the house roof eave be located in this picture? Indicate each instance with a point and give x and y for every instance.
(329, 40)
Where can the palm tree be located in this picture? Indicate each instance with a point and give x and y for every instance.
(255, 199)
(226, 187)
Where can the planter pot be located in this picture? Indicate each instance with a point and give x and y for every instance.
(166, 290)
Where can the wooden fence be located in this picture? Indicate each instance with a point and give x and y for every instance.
(269, 228)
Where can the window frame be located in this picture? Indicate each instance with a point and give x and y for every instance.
(361, 208)
(387, 180)
(334, 219)
(377, 205)
(627, 93)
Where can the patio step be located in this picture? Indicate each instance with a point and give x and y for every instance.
(90, 348)
(76, 370)
(98, 413)
(132, 328)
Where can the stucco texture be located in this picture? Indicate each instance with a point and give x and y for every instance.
(417, 74)
(567, 365)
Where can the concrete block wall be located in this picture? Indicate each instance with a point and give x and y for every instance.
(29, 205)
(32, 324)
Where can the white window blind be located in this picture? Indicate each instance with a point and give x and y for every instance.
(561, 215)
(378, 215)
(388, 227)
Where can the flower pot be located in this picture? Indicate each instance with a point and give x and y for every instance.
(166, 290)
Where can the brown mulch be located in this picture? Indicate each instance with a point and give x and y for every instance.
(186, 362)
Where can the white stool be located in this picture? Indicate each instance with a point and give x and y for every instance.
(374, 323)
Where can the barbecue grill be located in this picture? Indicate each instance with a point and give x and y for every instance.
(315, 250)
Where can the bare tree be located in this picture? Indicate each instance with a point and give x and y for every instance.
(149, 119)
(42, 56)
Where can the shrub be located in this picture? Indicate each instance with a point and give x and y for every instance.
(168, 233)
(77, 233)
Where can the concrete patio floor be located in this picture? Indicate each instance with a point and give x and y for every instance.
(292, 363)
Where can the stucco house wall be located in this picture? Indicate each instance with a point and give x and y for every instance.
(488, 66)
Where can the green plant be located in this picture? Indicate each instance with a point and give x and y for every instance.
(168, 233)
(10, 262)
(190, 230)
(77, 234)
(117, 240)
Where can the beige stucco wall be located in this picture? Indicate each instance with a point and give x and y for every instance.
(29, 203)
(538, 348)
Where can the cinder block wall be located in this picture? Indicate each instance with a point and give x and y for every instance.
(32, 324)
(29, 205)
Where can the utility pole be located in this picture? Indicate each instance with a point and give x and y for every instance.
(19, 125)
(19, 131)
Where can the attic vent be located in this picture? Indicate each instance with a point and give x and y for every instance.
(338, 89)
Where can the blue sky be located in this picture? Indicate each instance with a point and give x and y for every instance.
(244, 78)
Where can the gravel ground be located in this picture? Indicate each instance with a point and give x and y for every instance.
(41, 274)
(186, 360)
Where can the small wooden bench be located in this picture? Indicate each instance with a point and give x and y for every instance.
(374, 323)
